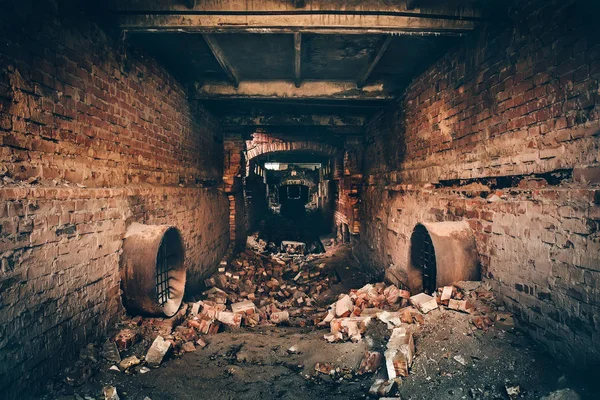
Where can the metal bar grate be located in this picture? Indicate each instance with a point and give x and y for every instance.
(162, 275)
(423, 257)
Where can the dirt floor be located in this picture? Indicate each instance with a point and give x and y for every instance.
(453, 360)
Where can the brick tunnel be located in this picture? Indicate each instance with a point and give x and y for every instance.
(299, 199)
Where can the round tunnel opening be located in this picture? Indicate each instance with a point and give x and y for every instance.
(423, 257)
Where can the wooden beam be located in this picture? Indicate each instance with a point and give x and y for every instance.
(276, 16)
(287, 90)
(297, 58)
(218, 53)
(363, 79)
(308, 23)
(295, 119)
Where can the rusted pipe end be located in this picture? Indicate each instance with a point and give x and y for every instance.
(152, 270)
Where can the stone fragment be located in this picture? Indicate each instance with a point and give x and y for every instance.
(246, 307)
(446, 294)
(230, 319)
(279, 317)
(202, 343)
(424, 302)
(188, 347)
(110, 352)
(460, 305)
(157, 351)
(381, 387)
(344, 306)
(370, 363)
(110, 393)
(399, 353)
(129, 362)
(513, 391)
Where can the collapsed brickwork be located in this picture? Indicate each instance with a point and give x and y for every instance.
(503, 132)
(94, 137)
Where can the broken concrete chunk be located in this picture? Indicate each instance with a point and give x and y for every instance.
(230, 319)
(196, 308)
(157, 351)
(381, 387)
(447, 293)
(129, 362)
(460, 305)
(344, 306)
(399, 353)
(391, 318)
(202, 343)
(110, 393)
(246, 307)
(424, 302)
(110, 352)
(279, 317)
(370, 363)
(513, 391)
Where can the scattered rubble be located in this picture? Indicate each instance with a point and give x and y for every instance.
(255, 289)
(110, 393)
(157, 351)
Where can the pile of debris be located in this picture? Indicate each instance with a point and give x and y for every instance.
(349, 317)
(261, 289)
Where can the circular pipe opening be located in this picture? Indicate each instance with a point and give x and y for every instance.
(153, 272)
(442, 253)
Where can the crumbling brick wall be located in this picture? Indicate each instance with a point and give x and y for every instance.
(503, 132)
(93, 137)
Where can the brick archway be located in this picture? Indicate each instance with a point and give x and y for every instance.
(284, 146)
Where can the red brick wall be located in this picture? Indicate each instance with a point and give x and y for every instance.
(516, 109)
(92, 137)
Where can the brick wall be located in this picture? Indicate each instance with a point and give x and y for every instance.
(93, 137)
(503, 132)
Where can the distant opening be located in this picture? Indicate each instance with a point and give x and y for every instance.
(423, 257)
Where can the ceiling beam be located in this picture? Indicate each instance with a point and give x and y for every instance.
(276, 16)
(363, 79)
(297, 58)
(282, 90)
(267, 119)
(222, 60)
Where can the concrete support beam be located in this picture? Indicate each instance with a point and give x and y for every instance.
(363, 79)
(297, 59)
(323, 90)
(222, 60)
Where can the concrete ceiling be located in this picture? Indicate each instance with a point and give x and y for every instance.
(311, 67)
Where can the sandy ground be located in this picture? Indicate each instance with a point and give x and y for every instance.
(453, 361)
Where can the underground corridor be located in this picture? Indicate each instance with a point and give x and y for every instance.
(299, 199)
